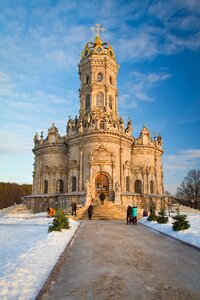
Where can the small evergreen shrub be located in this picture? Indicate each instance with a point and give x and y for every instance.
(59, 222)
(162, 218)
(180, 222)
(152, 217)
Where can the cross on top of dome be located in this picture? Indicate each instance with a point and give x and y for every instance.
(97, 29)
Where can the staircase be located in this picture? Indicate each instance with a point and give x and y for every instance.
(107, 211)
(79, 212)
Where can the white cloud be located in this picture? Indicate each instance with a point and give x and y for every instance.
(32, 44)
(136, 46)
(166, 10)
(142, 83)
(15, 138)
(185, 160)
(177, 166)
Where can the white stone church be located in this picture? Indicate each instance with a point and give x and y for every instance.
(98, 152)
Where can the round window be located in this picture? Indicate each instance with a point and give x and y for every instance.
(99, 49)
(99, 77)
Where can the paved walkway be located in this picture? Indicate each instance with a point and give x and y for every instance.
(112, 260)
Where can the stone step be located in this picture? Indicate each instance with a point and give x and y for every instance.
(107, 211)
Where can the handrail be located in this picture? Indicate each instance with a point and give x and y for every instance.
(169, 207)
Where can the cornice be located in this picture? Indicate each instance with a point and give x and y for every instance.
(145, 147)
(49, 148)
(102, 133)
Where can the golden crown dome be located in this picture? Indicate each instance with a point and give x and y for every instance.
(97, 47)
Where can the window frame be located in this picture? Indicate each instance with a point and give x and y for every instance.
(99, 77)
(59, 186)
(87, 102)
(74, 183)
(100, 99)
(138, 189)
(46, 186)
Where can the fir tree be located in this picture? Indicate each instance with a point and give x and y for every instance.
(59, 222)
(180, 222)
(162, 218)
(152, 216)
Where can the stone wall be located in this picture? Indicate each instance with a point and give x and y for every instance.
(40, 203)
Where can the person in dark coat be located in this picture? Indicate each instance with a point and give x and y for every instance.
(74, 207)
(102, 197)
(128, 214)
(145, 213)
(90, 211)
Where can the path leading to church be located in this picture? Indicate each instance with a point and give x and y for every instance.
(111, 260)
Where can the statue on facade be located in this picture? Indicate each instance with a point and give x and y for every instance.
(155, 136)
(129, 127)
(159, 139)
(117, 187)
(76, 120)
(36, 139)
(121, 123)
(41, 135)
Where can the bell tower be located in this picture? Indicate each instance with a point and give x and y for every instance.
(98, 71)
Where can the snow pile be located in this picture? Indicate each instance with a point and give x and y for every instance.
(28, 253)
(190, 236)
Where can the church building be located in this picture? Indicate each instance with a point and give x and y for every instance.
(99, 152)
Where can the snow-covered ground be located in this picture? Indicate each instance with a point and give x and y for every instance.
(28, 253)
(190, 236)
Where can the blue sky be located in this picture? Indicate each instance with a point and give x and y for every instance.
(157, 44)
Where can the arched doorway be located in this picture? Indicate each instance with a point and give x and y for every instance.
(101, 185)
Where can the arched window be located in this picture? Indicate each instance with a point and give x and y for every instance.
(99, 77)
(110, 102)
(127, 183)
(60, 186)
(100, 99)
(73, 183)
(138, 186)
(86, 79)
(46, 187)
(101, 124)
(111, 80)
(87, 101)
(151, 186)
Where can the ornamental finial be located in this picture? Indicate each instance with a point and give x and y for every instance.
(97, 29)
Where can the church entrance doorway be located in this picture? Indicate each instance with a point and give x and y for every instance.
(101, 185)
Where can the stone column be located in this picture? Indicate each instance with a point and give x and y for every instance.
(81, 170)
(121, 168)
(148, 191)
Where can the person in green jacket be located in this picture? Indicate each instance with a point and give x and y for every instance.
(134, 214)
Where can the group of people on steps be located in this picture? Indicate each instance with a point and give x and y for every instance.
(131, 211)
(131, 216)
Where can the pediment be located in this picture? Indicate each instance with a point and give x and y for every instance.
(102, 154)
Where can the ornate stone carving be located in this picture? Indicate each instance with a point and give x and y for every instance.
(73, 164)
(102, 155)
